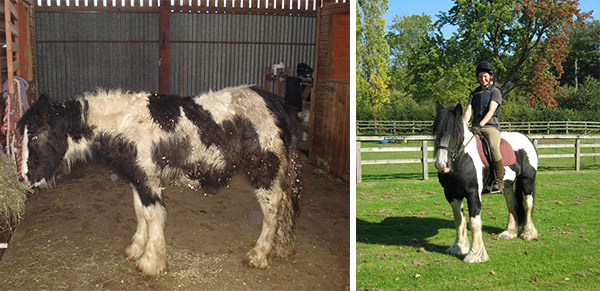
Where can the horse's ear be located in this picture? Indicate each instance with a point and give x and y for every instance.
(43, 101)
(438, 107)
(42, 106)
(459, 110)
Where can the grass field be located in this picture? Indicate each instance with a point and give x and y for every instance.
(404, 225)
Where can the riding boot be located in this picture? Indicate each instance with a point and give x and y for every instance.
(498, 186)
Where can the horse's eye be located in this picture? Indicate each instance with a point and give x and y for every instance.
(34, 137)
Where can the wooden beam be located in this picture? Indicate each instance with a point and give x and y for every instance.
(12, 9)
(14, 30)
(178, 8)
(23, 40)
(9, 46)
(14, 47)
(16, 66)
(42, 9)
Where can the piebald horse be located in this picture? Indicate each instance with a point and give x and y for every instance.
(461, 173)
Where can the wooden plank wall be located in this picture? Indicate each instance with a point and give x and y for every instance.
(329, 136)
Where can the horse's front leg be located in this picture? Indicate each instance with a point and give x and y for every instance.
(461, 244)
(477, 253)
(138, 242)
(153, 260)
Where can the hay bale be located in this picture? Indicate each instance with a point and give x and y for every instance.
(13, 194)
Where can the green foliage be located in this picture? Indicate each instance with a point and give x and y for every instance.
(526, 40)
(408, 38)
(521, 110)
(372, 51)
(404, 107)
(584, 46)
(585, 101)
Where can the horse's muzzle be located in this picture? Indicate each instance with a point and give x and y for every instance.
(441, 161)
(442, 167)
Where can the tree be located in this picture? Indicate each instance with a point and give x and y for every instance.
(525, 40)
(408, 38)
(586, 100)
(584, 48)
(372, 54)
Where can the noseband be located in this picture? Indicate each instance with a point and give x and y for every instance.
(455, 154)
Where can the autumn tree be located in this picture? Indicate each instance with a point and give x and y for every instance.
(525, 40)
(372, 52)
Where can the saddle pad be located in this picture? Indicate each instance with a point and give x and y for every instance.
(508, 154)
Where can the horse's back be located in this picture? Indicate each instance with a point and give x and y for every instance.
(522, 146)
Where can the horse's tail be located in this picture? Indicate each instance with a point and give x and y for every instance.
(289, 207)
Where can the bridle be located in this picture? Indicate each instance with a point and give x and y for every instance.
(455, 154)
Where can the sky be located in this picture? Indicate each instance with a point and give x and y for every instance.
(433, 7)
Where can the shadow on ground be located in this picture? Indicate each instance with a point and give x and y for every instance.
(407, 231)
(394, 176)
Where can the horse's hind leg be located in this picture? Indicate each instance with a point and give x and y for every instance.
(138, 244)
(269, 201)
(461, 244)
(511, 204)
(527, 189)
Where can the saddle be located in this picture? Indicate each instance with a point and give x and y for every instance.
(483, 148)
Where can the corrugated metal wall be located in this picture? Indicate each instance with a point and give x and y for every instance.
(214, 51)
(79, 52)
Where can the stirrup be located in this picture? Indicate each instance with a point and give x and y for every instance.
(496, 188)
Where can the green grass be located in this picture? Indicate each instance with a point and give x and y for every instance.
(404, 226)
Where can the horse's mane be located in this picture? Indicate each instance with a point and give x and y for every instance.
(449, 121)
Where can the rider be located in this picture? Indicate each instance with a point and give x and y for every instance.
(484, 104)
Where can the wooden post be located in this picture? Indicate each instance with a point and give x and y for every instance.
(424, 159)
(22, 40)
(577, 154)
(358, 165)
(164, 45)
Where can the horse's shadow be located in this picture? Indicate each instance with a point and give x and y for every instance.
(408, 231)
(396, 176)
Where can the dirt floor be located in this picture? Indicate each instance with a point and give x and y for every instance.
(74, 236)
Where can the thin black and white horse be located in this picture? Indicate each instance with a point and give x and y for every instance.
(199, 141)
(461, 172)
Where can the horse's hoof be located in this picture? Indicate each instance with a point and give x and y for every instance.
(476, 257)
(529, 234)
(457, 250)
(134, 252)
(151, 267)
(507, 234)
(254, 259)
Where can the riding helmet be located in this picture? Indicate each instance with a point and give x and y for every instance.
(484, 67)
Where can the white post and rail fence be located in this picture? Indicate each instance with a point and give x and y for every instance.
(427, 146)
(399, 127)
